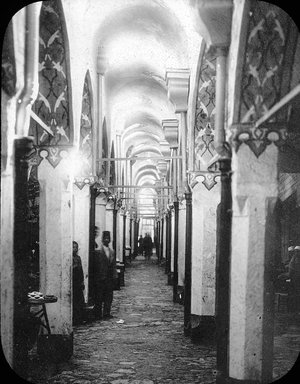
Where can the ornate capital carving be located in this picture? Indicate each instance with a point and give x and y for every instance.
(178, 88)
(208, 179)
(81, 182)
(170, 128)
(258, 138)
(53, 154)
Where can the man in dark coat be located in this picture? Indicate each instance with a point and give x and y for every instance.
(78, 286)
(105, 273)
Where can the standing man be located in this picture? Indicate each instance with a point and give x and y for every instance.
(105, 273)
(78, 287)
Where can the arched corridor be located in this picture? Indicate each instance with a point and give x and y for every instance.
(172, 120)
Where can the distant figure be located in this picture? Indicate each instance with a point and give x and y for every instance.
(78, 286)
(140, 245)
(105, 273)
(148, 245)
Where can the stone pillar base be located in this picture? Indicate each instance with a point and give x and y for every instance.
(203, 328)
(55, 348)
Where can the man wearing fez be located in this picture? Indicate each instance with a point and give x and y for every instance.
(105, 273)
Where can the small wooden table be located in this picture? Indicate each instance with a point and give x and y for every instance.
(42, 313)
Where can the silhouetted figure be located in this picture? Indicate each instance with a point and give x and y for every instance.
(78, 286)
(148, 245)
(140, 245)
(105, 273)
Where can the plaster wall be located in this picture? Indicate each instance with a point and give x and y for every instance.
(204, 249)
(56, 234)
(254, 186)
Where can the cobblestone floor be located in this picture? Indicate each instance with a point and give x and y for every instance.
(148, 345)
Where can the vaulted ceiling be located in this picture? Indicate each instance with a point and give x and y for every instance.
(139, 40)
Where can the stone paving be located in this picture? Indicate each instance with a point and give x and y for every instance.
(144, 342)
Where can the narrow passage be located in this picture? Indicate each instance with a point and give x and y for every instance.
(146, 347)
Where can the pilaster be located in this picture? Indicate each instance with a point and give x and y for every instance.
(205, 201)
(254, 192)
(56, 235)
(181, 242)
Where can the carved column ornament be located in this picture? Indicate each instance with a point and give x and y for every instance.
(80, 182)
(207, 178)
(258, 138)
(178, 88)
(170, 128)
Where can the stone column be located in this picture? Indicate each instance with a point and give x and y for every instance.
(164, 239)
(169, 245)
(100, 214)
(119, 251)
(205, 202)
(172, 233)
(21, 253)
(181, 242)
(56, 234)
(127, 231)
(131, 232)
(81, 225)
(175, 250)
(124, 238)
(115, 228)
(188, 262)
(7, 236)
(254, 193)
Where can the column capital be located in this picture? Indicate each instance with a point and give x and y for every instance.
(170, 128)
(178, 88)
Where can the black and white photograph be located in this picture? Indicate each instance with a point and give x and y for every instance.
(150, 192)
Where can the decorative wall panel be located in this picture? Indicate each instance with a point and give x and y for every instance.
(268, 75)
(8, 66)
(52, 103)
(205, 110)
(205, 125)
